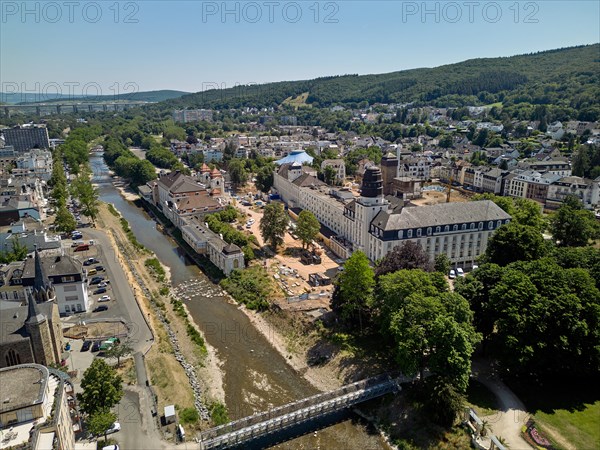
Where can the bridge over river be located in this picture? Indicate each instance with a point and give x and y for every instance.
(266, 426)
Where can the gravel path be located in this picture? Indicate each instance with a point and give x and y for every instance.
(512, 415)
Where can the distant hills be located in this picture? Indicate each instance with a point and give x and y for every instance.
(28, 97)
(569, 77)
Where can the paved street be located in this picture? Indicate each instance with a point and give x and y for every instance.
(122, 304)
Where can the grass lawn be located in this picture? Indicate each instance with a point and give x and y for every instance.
(579, 427)
(568, 408)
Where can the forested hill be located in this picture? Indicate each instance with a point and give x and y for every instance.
(568, 77)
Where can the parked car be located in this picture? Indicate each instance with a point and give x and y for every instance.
(104, 298)
(96, 346)
(99, 268)
(101, 308)
(114, 428)
(92, 272)
(95, 281)
(111, 447)
(100, 291)
(82, 248)
(86, 346)
(90, 261)
(452, 274)
(460, 272)
(77, 243)
(103, 284)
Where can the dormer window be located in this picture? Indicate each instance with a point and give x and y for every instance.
(409, 234)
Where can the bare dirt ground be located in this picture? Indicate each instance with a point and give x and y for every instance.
(434, 197)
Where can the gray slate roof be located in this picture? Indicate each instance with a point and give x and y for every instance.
(439, 215)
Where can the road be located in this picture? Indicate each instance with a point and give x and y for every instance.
(122, 303)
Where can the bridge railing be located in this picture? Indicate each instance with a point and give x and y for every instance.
(350, 391)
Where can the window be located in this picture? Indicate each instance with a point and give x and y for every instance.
(68, 279)
(455, 228)
(463, 227)
(70, 288)
(447, 228)
(438, 229)
(490, 225)
(480, 226)
(419, 232)
(400, 234)
(409, 234)
(498, 224)
(472, 227)
(72, 298)
(12, 358)
(429, 231)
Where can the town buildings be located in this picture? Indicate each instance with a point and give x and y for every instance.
(192, 115)
(37, 408)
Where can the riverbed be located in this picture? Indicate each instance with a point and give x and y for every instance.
(255, 375)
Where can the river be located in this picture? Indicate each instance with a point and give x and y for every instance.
(256, 376)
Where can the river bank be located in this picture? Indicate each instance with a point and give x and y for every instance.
(173, 353)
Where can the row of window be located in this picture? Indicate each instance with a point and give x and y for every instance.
(429, 230)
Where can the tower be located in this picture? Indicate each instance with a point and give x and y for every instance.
(40, 337)
(368, 205)
(42, 287)
(389, 171)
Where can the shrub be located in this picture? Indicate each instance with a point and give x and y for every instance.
(189, 415)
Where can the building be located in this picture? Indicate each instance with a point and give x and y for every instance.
(192, 115)
(36, 163)
(178, 195)
(29, 238)
(227, 257)
(36, 409)
(30, 333)
(11, 283)
(389, 171)
(529, 184)
(26, 138)
(416, 167)
(57, 278)
(339, 166)
(375, 224)
(586, 190)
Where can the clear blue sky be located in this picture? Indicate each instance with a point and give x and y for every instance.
(190, 45)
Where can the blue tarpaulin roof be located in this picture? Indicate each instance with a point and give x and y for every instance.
(298, 156)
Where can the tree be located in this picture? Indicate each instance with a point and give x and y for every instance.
(100, 422)
(443, 402)
(307, 227)
(355, 287)
(515, 242)
(442, 263)
(435, 332)
(572, 226)
(264, 178)
(329, 175)
(101, 387)
(87, 194)
(237, 171)
(446, 141)
(408, 255)
(528, 212)
(119, 350)
(65, 221)
(273, 224)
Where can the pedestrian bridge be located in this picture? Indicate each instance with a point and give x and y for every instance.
(242, 432)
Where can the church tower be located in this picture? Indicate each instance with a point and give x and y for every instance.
(40, 336)
(42, 287)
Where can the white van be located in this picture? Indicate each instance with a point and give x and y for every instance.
(181, 432)
(460, 272)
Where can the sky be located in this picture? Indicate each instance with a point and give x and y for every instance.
(110, 47)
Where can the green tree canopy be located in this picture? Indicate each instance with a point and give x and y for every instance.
(307, 227)
(514, 242)
(101, 387)
(264, 178)
(273, 224)
(100, 422)
(354, 286)
(572, 226)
